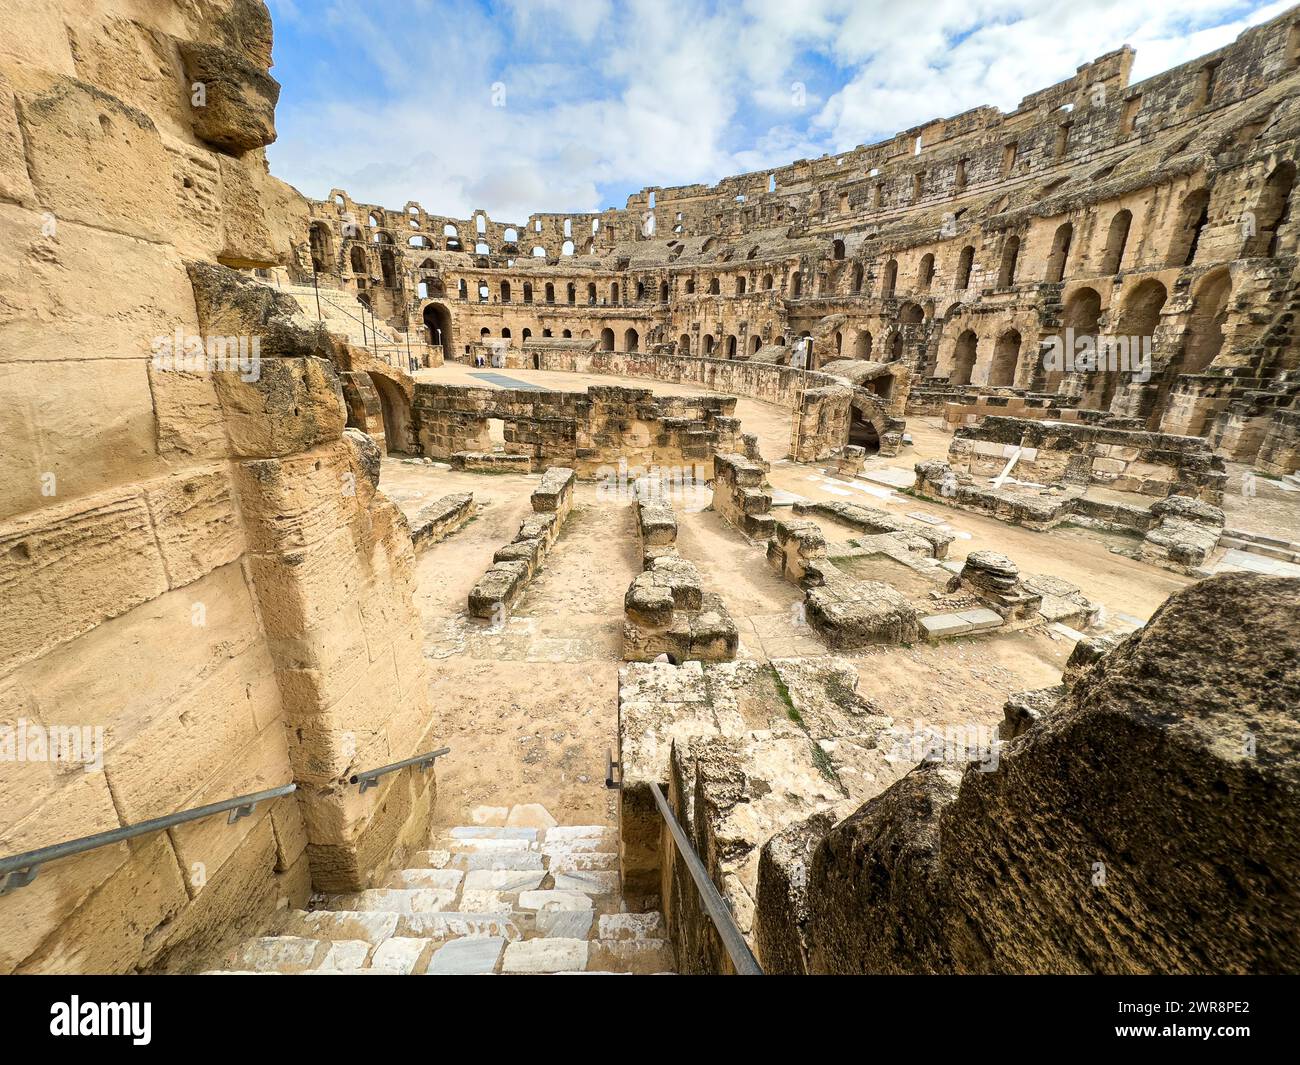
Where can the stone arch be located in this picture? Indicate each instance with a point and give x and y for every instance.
(964, 354)
(437, 320)
(631, 342)
(395, 406)
(1272, 210)
(1204, 336)
(867, 422)
(1059, 256)
(321, 242)
(1010, 259)
(1193, 214)
(889, 281)
(1112, 256)
(1006, 357)
(965, 262)
(607, 340)
(862, 345)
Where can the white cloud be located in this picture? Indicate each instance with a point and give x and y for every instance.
(396, 99)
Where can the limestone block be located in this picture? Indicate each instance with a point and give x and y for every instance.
(472, 956)
(94, 159)
(70, 567)
(180, 747)
(547, 955)
(108, 934)
(202, 847)
(293, 405)
(237, 112)
(73, 429)
(15, 185)
(195, 523)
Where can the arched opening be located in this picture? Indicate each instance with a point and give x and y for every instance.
(896, 346)
(1205, 326)
(862, 345)
(740, 286)
(858, 274)
(322, 248)
(571, 294)
(715, 287)
(837, 249)
(965, 262)
(925, 276)
(890, 279)
(1007, 269)
(1060, 253)
(767, 282)
(1116, 241)
(684, 344)
(607, 340)
(357, 259)
(731, 346)
(1133, 333)
(755, 342)
(796, 285)
(963, 358)
(613, 293)
(862, 433)
(706, 346)
(591, 294)
(437, 320)
(1006, 355)
(505, 291)
(550, 293)
(1193, 215)
(630, 340)
(396, 411)
(663, 292)
(1271, 212)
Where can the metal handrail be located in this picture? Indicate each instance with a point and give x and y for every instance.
(19, 870)
(370, 777)
(741, 956)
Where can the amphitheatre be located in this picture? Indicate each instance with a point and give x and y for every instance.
(884, 563)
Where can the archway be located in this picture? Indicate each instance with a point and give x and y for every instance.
(437, 320)
(1006, 356)
(963, 358)
(862, 431)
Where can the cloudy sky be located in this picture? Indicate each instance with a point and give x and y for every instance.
(516, 106)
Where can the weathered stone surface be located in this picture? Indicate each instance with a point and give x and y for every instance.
(1156, 779)
(236, 108)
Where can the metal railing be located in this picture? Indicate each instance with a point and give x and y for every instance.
(19, 870)
(370, 777)
(741, 956)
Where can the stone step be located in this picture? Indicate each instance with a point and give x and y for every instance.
(642, 956)
(393, 900)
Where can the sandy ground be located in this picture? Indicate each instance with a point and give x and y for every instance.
(530, 711)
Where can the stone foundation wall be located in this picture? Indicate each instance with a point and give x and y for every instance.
(597, 433)
(1138, 786)
(196, 560)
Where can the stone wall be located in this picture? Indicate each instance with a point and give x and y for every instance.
(1146, 814)
(196, 561)
(597, 433)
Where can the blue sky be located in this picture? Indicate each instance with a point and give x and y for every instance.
(519, 106)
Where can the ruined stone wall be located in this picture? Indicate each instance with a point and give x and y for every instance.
(195, 560)
(603, 433)
(1145, 807)
(1157, 210)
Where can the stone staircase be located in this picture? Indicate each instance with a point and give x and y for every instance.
(520, 894)
(340, 313)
